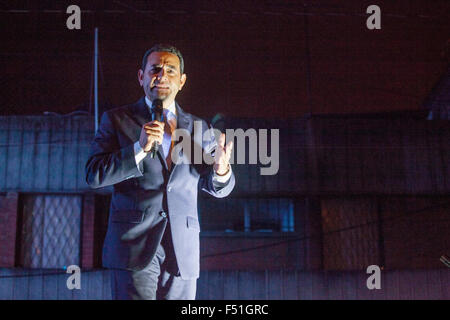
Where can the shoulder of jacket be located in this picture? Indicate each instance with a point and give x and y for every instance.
(193, 117)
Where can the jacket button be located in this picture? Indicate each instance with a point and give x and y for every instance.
(163, 214)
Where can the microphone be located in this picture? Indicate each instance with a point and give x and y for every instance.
(157, 114)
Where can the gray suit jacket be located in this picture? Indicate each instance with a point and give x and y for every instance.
(145, 197)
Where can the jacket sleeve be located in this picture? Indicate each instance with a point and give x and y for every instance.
(218, 190)
(108, 163)
(207, 185)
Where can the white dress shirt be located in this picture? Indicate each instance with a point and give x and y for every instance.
(170, 117)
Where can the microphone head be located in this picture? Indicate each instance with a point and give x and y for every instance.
(157, 103)
(157, 108)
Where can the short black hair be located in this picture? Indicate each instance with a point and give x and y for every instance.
(163, 47)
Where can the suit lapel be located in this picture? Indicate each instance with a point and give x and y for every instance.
(184, 121)
(142, 114)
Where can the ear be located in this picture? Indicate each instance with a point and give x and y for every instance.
(182, 80)
(140, 76)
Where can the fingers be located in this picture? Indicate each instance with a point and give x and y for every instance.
(154, 128)
(222, 140)
(225, 149)
(154, 132)
(154, 136)
(228, 149)
(154, 124)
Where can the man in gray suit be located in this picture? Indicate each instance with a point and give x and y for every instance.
(152, 242)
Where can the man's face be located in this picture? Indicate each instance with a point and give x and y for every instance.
(162, 78)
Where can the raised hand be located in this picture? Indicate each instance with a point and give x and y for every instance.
(222, 156)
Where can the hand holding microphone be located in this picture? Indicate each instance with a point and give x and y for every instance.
(152, 133)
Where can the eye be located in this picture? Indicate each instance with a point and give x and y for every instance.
(155, 69)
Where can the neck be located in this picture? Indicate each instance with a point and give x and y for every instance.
(167, 103)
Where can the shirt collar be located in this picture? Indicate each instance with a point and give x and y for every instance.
(172, 109)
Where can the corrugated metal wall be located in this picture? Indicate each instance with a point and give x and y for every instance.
(294, 174)
(51, 284)
(380, 156)
(317, 156)
(339, 155)
(44, 153)
(301, 285)
(243, 285)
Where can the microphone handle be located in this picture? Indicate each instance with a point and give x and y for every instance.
(154, 150)
(159, 117)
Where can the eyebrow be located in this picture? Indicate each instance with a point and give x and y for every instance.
(168, 65)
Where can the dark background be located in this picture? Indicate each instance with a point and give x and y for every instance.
(243, 58)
